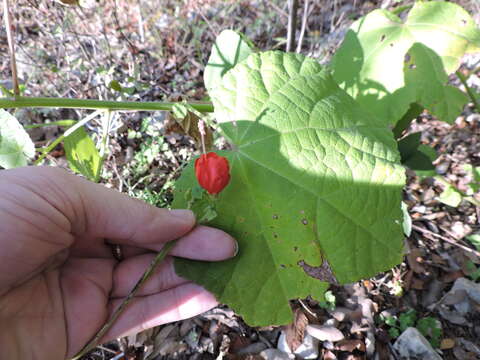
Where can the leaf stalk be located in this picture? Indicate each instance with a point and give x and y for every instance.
(47, 102)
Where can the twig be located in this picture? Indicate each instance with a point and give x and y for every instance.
(11, 46)
(304, 25)
(450, 241)
(470, 93)
(292, 24)
(148, 273)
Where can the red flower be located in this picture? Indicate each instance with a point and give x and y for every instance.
(212, 172)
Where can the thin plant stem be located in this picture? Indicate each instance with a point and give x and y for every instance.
(11, 46)
(82, 122)
(469, 90)
(65, 123)
(46, 102)
(292, 24)
(146, 275)
(401, 9)
(49, 148)
(304, 26)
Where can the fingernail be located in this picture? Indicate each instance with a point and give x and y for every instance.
(184, 214)
(236, 248)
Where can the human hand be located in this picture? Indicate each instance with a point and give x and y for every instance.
(59, 281)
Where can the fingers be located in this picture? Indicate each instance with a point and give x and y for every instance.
(129, 271)
(94, 210)
(179, 303)
(203, 243)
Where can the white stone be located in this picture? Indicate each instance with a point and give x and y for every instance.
(412, 344)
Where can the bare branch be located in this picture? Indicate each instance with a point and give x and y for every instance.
(292, 24)
(11, 46)
(304, 25)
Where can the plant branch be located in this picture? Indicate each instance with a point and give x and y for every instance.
(450, 241)
(11, 46)
(147, 274)
(292, 24)
(469, 90)
(49, 148)
(65, 123)
(304, 25)
(45, 102)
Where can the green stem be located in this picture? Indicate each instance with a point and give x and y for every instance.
(147, 274)
(49, 148)
(470, 93)
(401, 9)
(65, 123)
(45, 102)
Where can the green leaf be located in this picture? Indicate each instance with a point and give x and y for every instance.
(407, 319)
(16, 147)
(82, 154)
(315, 188)
(413, 111)
(115, 85)
(451, 196)
(407, 220)
(408, 146)
(475, 240)
(416, 156)
(474, 172)
(431, 328)
(229, 49)
(386, 63)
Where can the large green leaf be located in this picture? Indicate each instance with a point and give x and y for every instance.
(82, 154)
(229, 49)
(16, 147)
(315, 189)
(387, 64)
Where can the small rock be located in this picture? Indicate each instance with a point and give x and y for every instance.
(473, 292)
(275, 354)
(331, 322)
(325, 332)
(442, 168)
(411, 344)
(469, 346)
(453, 317)
(472, 118)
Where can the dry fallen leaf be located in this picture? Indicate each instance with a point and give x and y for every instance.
(447, 343)
(295, 332)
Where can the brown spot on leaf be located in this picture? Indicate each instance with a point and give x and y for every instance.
(383, 37)
(323, 272)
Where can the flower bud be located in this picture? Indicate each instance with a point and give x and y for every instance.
(212, 172)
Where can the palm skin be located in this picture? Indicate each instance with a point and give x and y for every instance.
(59, 281)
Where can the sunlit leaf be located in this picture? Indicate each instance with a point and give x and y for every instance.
(315, 191)
(16, 147)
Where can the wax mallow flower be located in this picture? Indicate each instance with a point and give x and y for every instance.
(212, 172)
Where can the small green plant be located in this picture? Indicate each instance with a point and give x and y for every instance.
(330, 301)
(428, 326)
